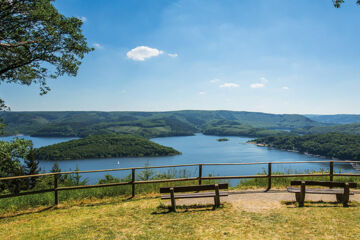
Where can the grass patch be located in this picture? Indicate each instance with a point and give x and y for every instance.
(15, 204)
(142, 218)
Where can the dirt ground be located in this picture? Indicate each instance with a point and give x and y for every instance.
(254, 201)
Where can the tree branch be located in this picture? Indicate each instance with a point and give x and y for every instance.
(18, 44)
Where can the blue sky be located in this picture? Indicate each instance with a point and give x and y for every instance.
(278, 56)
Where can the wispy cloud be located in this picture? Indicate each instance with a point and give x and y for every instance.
(173, 55)
(142, 53)
(261, 84)
(215, 80)
(98, 46)
(257, 85)
(285, 88)
(229, 85)
(202, 93)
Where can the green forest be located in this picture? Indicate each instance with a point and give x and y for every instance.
(353, 128)
(330, 145)
(152, 124)
(235, 128)
(103, 146)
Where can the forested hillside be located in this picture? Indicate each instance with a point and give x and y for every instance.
(151, 124)
(353, 129)
(103, 146)
(235, 128)
(336, 119)
(331, 145)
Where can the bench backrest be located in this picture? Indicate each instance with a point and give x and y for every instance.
(194, 188)
(324, 184)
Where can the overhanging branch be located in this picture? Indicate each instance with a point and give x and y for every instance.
(8, 45)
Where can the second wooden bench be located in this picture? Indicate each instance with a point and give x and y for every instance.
(340, 189)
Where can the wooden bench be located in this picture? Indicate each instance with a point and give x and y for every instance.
(216, 194)
(342, 190)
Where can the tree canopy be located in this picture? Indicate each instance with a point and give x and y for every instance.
(103, 146)
(337, 3)
(331, 145)
(38, 43)
(17, 158)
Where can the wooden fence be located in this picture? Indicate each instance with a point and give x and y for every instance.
(200, 166)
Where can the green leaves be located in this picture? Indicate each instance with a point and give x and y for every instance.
(16, 158)
(337, 3)
(38, 43)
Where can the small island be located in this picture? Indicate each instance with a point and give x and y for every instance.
(222, 139)
(104, 146)
(331, 145)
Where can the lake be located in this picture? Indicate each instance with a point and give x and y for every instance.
(195, 149)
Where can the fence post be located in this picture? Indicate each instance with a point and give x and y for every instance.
(133, 182)
(269, 177)
(56, 196)
(200, 173)
(331, 172)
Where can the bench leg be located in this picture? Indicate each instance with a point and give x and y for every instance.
(345, 199)
(339, 198)
(302, 194)
(297, 197)
(173, 204)
(217, 196)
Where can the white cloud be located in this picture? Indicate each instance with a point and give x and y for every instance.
(261, 84)
(83, 19)
(263, 80)
(257, 85)
(141, 53)
(215, 80)
(285, 88)
(229, 85)
(202, 93)
(98, 46)
(173, 55)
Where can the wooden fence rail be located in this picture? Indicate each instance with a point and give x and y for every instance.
(133, 181)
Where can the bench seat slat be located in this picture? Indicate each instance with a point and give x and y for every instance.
(324, 184)
(194, 188)
(195, 195)
(318, 190)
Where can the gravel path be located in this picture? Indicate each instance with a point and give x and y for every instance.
(253, 201)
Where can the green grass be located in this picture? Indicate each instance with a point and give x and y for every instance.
(110, 213)
(47, 199)
(146, 218)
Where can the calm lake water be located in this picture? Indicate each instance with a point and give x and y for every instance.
(195, 149)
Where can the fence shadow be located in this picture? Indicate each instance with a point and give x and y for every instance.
(165, 209)
(320, 204)
(28, 212)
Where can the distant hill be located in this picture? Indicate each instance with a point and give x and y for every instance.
(151, 124)
(353, 129)
(236, 128)
(103, 146)
(335, 119)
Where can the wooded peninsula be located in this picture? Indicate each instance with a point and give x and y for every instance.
(330, 145)
(104, 146)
